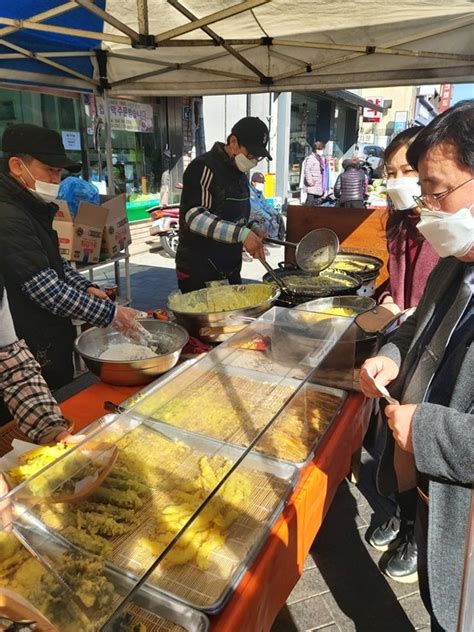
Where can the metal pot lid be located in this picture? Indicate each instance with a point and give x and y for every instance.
(317, 250)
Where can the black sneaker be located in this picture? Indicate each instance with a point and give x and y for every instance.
(386, 536)
(402, 566)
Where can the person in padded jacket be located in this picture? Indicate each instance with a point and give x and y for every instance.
(215, 209)
(351, 186)
(44, 291)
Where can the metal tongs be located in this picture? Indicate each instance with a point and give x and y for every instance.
(26, 536)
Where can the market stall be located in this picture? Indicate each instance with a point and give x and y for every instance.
(259, 395)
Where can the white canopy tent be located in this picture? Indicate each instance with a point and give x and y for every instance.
(199, 47)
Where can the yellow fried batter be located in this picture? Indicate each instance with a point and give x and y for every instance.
(92, 543)
(126, 499)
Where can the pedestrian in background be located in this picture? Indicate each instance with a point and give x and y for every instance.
(314, 170)
(351, 185)
(261, 210)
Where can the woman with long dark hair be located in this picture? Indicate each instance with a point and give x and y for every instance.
(410, 256)
(410, 262)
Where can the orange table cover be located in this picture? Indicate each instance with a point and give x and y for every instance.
(265, 587)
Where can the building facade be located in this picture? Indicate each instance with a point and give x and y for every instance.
(295, 122)
(152, 140)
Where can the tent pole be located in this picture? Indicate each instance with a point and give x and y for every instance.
(283, 145)
(108, 146)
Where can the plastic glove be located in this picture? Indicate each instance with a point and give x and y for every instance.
(66, 437)
(125, 322)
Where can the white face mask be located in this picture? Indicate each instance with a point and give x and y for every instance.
(320, 152)
(401, 192)
(259, 186)
(47, 191)
(245, 164)
(450, 234)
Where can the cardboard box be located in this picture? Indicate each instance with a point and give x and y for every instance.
(116, 231)
(96, 233)
(80, 238)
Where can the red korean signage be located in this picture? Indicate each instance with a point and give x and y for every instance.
(373, 116)
(445, 98)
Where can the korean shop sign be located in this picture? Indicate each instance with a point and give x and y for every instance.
(128, 116)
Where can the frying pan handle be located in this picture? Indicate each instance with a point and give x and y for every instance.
(286, 265)
(279, 242)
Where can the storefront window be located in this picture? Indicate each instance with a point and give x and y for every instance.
(136, 150)
(47, 110)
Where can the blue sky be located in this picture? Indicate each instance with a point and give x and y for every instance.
(462, 91)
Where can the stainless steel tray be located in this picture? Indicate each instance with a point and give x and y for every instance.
(148, 599)
(278, 478)
(285, 471)
(277, 381)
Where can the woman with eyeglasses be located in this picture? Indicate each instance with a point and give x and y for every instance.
(411, 260)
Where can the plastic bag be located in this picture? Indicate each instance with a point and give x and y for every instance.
(75, 190)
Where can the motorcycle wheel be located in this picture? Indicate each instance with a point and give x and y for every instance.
(169, 242)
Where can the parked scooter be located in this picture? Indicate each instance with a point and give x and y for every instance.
(166, 226)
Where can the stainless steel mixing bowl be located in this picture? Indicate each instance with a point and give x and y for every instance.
(219, 326)
(93, 342)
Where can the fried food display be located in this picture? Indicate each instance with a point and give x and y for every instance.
(62, 477)
(208, 530)
(33, 461)
(108, 513)
(24, 575)
(220, 405)
(295, 431)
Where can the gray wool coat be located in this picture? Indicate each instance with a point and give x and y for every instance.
(443, 437)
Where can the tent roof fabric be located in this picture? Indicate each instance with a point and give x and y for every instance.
(198, 47)
(23, 50)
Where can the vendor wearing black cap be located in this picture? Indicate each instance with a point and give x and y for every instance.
(215, 209)
(44, 291)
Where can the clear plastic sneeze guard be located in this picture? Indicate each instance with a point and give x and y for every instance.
(172, 498)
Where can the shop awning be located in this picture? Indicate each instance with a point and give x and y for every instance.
(197, 47)
(350, 98)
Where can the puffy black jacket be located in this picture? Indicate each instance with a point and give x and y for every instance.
(351, 185)
(29, 245)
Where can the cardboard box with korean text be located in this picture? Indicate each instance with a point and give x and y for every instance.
(80, 238)
(116, 231)
(63, 224)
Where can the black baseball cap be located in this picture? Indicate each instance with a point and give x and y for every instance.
(253, 134)
(43, 144)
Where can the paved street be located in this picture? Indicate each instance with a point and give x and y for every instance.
(341, 588)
